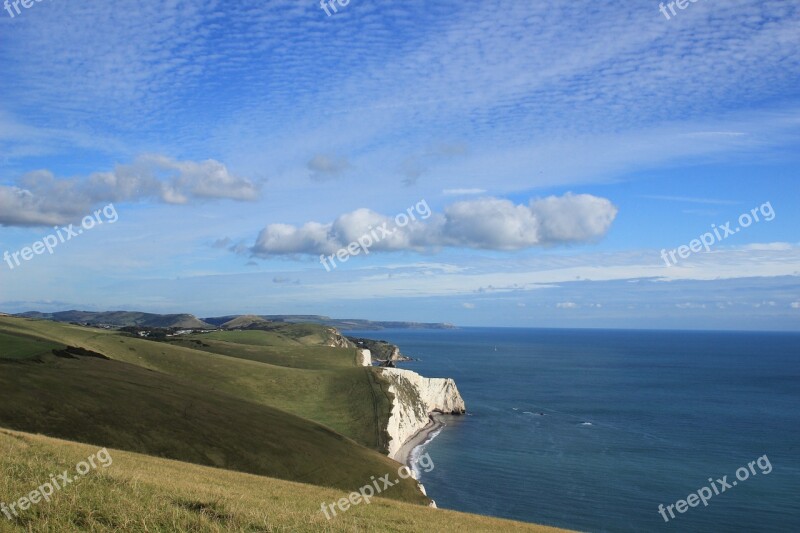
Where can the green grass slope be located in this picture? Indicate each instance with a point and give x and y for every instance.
(299, 375)
(244, 321)
(289, 368)
(138, 493)
(14, 346)
(194, 406)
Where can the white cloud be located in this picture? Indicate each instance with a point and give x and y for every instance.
(795, 305)
(284, 239)
(485, 223)
(20, 207)
(567, 305)
(39, 198)
(468, 306)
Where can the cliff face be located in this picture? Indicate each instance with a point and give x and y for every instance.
(416, 398)
(365, 357)
(381, 350)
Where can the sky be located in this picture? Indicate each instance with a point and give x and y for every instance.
(493, 163)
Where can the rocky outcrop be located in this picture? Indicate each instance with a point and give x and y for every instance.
(381, 350)
(365, 357)
(337, 340)
(415, 399)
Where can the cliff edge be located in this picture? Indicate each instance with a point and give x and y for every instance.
(415, 399)
(381, 351)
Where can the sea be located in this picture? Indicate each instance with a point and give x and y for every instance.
(593, 430)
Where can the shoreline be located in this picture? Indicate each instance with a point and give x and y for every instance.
(406, 452)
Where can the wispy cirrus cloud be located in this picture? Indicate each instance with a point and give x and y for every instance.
(690, 200)
(463, 192)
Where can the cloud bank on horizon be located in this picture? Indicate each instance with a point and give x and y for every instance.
(559, 133)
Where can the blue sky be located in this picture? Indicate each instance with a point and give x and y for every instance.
(559, 148)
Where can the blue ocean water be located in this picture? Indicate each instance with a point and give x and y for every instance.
(593, 429)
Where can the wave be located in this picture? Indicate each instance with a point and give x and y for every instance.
(416, 453)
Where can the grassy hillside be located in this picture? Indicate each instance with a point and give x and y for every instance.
(275, 334)
(288, 371)
(244, 321)
(138, 493)
(14, 346)
(197, 406)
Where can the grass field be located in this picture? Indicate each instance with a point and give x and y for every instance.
(23, 347)
(138, 493)
(316, 382)
(291, 355)
(275, 334)
(202, 407)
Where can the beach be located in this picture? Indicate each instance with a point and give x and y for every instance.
(405, 454)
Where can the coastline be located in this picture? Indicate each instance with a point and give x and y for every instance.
(405, 455)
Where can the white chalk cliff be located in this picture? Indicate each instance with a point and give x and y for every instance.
(365, 357)
(416, 398)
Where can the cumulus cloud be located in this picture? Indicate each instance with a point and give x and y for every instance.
(40, 198)
(20, 207)
(486, 223)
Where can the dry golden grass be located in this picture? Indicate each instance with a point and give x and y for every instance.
(139, 493)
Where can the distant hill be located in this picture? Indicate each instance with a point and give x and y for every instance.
(187, 321)
(244, 321)
(341, 324)
(122, 318)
